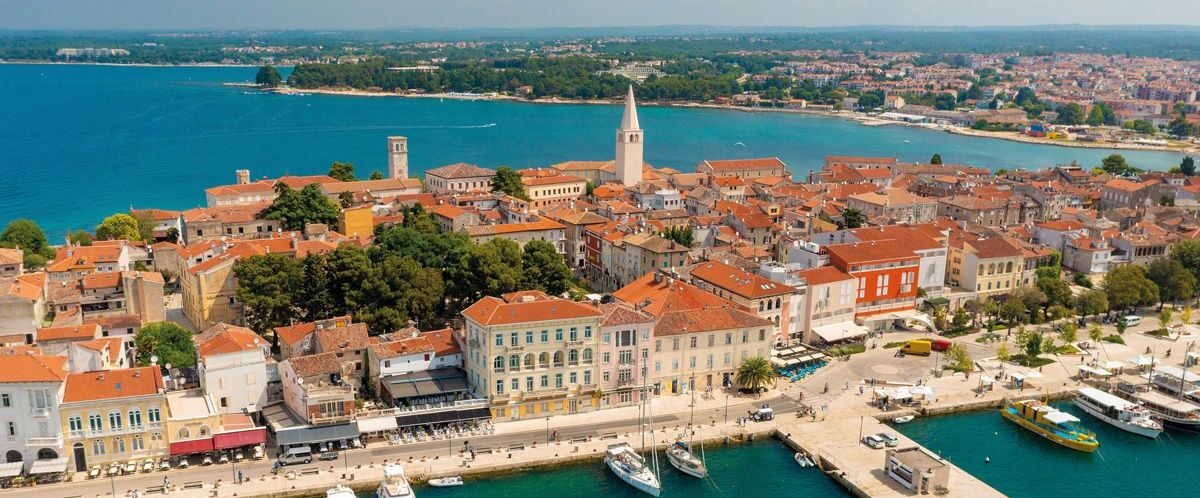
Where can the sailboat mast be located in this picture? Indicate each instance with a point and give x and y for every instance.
(692, 420)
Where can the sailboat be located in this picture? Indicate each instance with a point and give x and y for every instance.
(680, 454)
(631, 467)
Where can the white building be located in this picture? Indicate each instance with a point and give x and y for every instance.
(629, 145)
(31, 390)
(233, 367)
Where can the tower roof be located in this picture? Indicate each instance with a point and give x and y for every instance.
(630, 121)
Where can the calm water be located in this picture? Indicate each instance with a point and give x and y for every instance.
(80, 142)
(763, 469)
(1025, 465)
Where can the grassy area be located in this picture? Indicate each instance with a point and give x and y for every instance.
(894, 344)
(955, 333)
(846, 350)
(1114, 338)
(1065, 349)
(1033, 362)
(1159, 333)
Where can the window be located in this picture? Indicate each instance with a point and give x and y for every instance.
(12, 429)
(545, 336)
(573, 357)
(728, 338)
(607, 337)
(114, 420)
(499, 386)
(499, 340)
(587, 377)
(75, 423)
(135, 418)
(516, 384)
(558, 335)
(528, 383)
(587, 356)
(545, 381)
(498, 364)
(514, 362)
(512, 339)
(94, 423)
(675, 344)
(184, 433)
(728, 358)
(574, 334)
(138, 443)
(712, 340)
(118, 445)
(529, 337)
(587, 332)
(97, 447)
(574, 378)
(558, 381)
(5, 400)
(605, 357)
(692, 362)
(544, 360)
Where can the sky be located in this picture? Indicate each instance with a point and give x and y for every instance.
(382, 14)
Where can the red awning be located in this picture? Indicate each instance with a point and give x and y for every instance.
(240, 438)
(190, 447)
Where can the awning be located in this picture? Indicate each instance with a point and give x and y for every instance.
(49, 466)
(192, 446)
(1113, 365)
(10, 469)
(314, 435)
(443, 417)
(840, 331)
(924, 390)
(239, 439)
(377, 424)
(1060, 417)
(987, 379)
(903, 315)
(425, 383)
(1093, 370)
(1141, 361)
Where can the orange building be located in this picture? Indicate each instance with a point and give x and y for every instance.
(887, 280)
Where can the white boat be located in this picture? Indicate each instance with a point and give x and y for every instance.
(395, 484)
(1117, 412)
(445, 482)
(803, 460)
(339, 491)
(681, 457)
(630, 467)
(903, 419)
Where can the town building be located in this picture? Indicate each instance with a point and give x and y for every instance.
(630, 142)
(114, 416)
(31, 392)
(701, 349)
(233, 367)
(625, 354)
(543, 229)
(774, 301)
(459, 177)
(763, 167)
(887, 276)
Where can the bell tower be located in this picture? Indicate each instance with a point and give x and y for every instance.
(398, 157)
(629, 145)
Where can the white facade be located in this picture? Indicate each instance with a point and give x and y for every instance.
(237, 382)
(629, 145)
(29, 419)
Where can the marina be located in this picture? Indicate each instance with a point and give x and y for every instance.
(1044, 420)
(1117, 412)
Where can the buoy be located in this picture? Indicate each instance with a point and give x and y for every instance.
(987, 460)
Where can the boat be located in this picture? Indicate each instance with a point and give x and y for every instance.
(903, 419)
(630, 467)
(445, 482)
(339, 491)
(681, 457)
(395, 484)
(803, 460)
(1173, 412)
(1125, 415)
(1046, 421)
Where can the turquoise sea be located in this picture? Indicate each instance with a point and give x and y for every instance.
(764, 469)
(80, 142)
(1022, 464)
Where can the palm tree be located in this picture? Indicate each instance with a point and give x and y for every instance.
(755, 373)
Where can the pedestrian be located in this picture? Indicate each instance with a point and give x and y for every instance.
(240, 477)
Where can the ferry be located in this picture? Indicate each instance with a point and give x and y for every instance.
(1173, 412)
(681, 457)
(628, 465)
(1050, 423)
(1125, 415)
(395, 484)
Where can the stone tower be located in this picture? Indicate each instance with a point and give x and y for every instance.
(243, 176)
(629, 145)
(398, 157)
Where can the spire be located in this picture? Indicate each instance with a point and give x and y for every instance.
(630, 121)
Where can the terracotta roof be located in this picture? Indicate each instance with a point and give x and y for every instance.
(290, 334)
(667, 294)
(859, 160)
(706, 320)
(892, 197)
(1062, 225)
(495, 311)
(745, 164)
(155, 214)
(734, 280)
(101, 280)
(401, 347)
(352, 337)
(866, 252)
(115, 321)
(84, 257)
(616, 314)
(443, 341)
(32, 368)
(110, 344)
(459, 170)
(315, 364)
(70, 333)
(28, 286)
(371, 185)
(916, 237)
(112, 384)
(531, 226)
(536, 181)
(224, 338)
(823, 275)
(11, 256)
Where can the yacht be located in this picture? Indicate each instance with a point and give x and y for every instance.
(1050, 423)
(1117, 412)
(681, 457)
(394, 484)
(339, 491)
(1172, 411)
(628, 465)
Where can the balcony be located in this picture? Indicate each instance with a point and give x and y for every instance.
(574, 343)
(330, 419)
(36, 442)
(39, 412)
(123, 430)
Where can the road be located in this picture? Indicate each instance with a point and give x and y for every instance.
(570, 427)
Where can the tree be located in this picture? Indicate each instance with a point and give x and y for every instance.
(25, 235)
(342, 171)
(1188, 166)
(173, 235)
(168, 341)
(295, 209)
(400, 289)
(1033, 345)
(1068, 332)
(1095, 116)
(1091, 302)
(489, 269)
(509, 181)
(1187, 252)
(119, 226)
(1122, 326)
(1173, 280)
(79, 238)
(853, 218)
(1164, 317)
(945, 102)
(1012, 311)
(681, 235)
(936, 159)
(1070, 114)
(959, 359)
(267, 76)
(1002, 352)
(755, 373)
(267, 287)
(1055, 290)
(1115, 164)
(345, 199)
(376, 175)
(315, 297)
(1185, 315)
(939, 316)
(544, 268)
(1128, 287)
(1095, 333)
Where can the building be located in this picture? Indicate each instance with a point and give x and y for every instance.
(357, 222)
(22, 305)
(625, 354)
(315, 389)
(657, 293)
(233, 367)
(459, 177)
(114, 416)
(1122, 193)
(31, 391)
(887, 276)
(221, 222)
(138, 293)
(297, 339)
(384, 187)
(744, 168)
(917, 470)
(826, 310)
(397, 157)
(532, 355)
(700, 349)
(543, 229)
(12, 262)
(546, 190)
(774, 301)
(630, 142)
(988, 266)
(894, 204)
(71, 263)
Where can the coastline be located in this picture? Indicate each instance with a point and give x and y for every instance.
(862, 119)
(125, 64)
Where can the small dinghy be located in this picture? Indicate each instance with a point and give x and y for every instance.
(445, 482)
(903, 419)
(804, 461)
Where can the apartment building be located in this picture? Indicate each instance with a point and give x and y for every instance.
(114, 416)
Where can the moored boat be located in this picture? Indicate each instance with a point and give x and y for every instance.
(446, 482)
(339, 491)
(1122, 414)
(681, 457)
(630, 467)
(803, 460)
(1173, 412)
(903, 419)
(395, 484)
(1050, 423)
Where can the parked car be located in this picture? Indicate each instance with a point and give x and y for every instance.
(1132, 320)
(873, 441)
(299, 454)
(889, 439)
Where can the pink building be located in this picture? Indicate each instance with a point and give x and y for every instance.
(625, 354)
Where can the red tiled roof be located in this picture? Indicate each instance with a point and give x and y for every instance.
(745, 164)
(734, 280)
(494, 311)
(32, 368)
(74, 332)
(112, 384)
(706, 320)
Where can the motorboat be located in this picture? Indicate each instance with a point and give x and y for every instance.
(1112, 410)
(1050, 423)
(803, 460)
(681, 457)
(630, 467)
(395, 484)
(1170, 410)
(903, 419)
(446, 482)
(339, 491)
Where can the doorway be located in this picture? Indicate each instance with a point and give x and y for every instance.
(80, 457)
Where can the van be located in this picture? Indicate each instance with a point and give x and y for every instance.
(940, 345)
(921, 347)
(1131, 320)
(298, 454)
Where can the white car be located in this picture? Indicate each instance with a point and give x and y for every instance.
(1132, 320)
(873, 441)
(889, 439)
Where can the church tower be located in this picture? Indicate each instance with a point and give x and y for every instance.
(629, 145)
(398, 157)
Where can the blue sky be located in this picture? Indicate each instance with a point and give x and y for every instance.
(377, 14)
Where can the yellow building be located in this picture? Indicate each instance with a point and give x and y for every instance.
(210, 290)
(987, 265)
(114, 416)
(356, 222)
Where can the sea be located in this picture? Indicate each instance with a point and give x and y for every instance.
(80, 142)
(1020, 464)
(762, 469)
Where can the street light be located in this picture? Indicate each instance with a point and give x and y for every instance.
(547, 430)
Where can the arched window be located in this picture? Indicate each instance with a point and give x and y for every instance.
(558, 358)
(778, 303)
(498, 363)
(761, 305)
(1008, 267)
(991, 268)
(514, 362)
(203, 431)
(184, 433)
(981, 268)
(544, 359)
(47, 454)
(529, 360)
(135, 418)
(12, 456)
(573, 357)
(587, 355)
